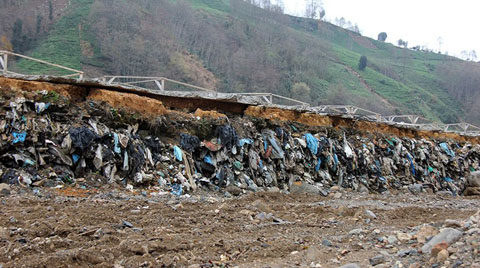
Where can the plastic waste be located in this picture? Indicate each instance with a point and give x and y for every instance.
(19, 137)
(177, 189)
(188, 142)
(82, 137)
(312, 143)
(178, 153)
(242, 142)
(40, 107)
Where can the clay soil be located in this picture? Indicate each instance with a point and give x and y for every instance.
(117, 228)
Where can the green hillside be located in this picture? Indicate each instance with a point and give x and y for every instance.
(236, 47)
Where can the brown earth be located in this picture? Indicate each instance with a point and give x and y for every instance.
(79, 228)
(147, 107)
(153, 105)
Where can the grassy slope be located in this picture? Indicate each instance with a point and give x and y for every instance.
(413, 90)
(416, 89)
(63, 45)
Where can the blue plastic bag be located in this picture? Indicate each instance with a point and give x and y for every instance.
(319, 163)
(177, 189)
(19, 137)
(178, 153)
(116, 147)
(242, 142)
(447, 150)
(312, 143)
(412, 166)
(208, 160)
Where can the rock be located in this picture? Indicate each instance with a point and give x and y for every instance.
(273, 190)
(469, 191)
(351, 265)
(442, 256)
(415, 188)
(337, 195)
(473, 180)
(425, 232)
(335, 188)
(437, 248)
(392, 239)
(403, 236)
(363, 189)
(234, 190)
(452, 223)
(313, 254)
(326, 243)
(303, 188)
(379, 259)
(127, 224)
(448, 235)
(264, 216)
(370, 214)
(4, 189)
(355, 232)
(406, 252)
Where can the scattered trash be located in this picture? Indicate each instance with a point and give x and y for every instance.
(251, 158)
(19, 137)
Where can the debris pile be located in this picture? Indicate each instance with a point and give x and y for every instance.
(46, 140)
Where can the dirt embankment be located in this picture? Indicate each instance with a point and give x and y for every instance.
(161, 105)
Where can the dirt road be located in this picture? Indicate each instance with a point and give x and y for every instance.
(117, 228)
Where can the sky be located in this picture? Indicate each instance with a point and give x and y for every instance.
(420, 22)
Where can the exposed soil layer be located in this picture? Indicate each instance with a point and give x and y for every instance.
(134, 103)
(126, 99)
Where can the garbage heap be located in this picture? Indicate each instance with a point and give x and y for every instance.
(49, 141)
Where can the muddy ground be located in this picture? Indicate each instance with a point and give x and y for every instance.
(118, 228)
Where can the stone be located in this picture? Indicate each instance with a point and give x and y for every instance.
(442, 256)
(355, 232)
(379, 259)
(469, 191)
(127, 224)
(473, 180)
(337, 195)
(234, 190)
(303, 188)
(448, 235)
(313, 254)
(437, 248)
(273, 190)
(392, 239)
(4, 189)
(335, 188)
(452, 223)
(370, 214)
(415, 188)
(326, 243)
(425, 232)
(403, 236)
(351, 265)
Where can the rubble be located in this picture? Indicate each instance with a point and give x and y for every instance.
(54, 140)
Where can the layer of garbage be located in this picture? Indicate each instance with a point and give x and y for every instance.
(49, 140)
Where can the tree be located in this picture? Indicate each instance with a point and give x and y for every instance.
(440, 43)
(17, 40)
(402, 43)
(50, 10)
(313, 9)
(362, 64)
(5, 44)
(382, 36)
(300, 91)
(39, 24)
